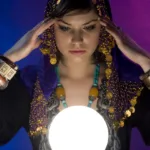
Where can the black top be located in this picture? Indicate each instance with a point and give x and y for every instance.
(15, 108)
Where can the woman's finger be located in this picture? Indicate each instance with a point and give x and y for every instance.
(38, 43)
(113, 33)
(39, 24)
(111, 29)
(43, 27)
(108, 21)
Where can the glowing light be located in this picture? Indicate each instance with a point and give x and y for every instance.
(78, 128)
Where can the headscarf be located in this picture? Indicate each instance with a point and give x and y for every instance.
(123, 85)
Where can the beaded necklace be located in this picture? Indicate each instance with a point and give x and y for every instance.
(93, 93)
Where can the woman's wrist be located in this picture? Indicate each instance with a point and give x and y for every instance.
(145, 64)
(10, 56)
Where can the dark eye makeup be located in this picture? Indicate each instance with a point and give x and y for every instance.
(90, 28)
(87, 28)
(64, 28)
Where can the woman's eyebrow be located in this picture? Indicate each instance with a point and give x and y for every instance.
(93, 20)
(60, 20)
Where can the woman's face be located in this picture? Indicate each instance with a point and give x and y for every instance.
(77, 32)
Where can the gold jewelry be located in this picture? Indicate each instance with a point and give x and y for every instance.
(9, 62)
(53, 59)
(49, 45)
(146, 79)
(7, 71)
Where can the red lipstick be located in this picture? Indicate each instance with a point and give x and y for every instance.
(77, 51)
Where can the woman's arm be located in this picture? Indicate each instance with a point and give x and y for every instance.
(14, 109)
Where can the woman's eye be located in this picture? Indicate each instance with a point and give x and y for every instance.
(89, 28)
(63, 28)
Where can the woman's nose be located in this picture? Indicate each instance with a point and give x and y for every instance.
(77, 38)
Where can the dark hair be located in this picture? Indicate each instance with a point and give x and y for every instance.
(65, 6)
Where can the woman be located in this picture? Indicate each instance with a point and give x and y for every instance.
(79, 40)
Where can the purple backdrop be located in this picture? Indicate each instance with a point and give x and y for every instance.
(17, 17)
(133, 17)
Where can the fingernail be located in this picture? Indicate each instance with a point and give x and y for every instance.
(47, 19)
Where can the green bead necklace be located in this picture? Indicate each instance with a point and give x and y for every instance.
(93, 94)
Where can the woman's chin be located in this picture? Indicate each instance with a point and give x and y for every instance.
(77, 60)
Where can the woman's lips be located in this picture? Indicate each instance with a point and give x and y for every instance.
(77, 51)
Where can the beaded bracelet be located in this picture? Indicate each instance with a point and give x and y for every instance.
(7, 71)
(146, 79)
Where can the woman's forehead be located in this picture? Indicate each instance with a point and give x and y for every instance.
(80, 13)
(79, 16)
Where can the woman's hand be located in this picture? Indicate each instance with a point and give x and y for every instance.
(128, 47)
(28, 42)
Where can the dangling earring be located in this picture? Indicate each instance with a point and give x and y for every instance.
(48, 46)
(53, 59)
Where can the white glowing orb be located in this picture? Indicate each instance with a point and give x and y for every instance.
(78, 128)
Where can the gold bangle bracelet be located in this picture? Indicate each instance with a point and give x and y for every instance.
(147, 82)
